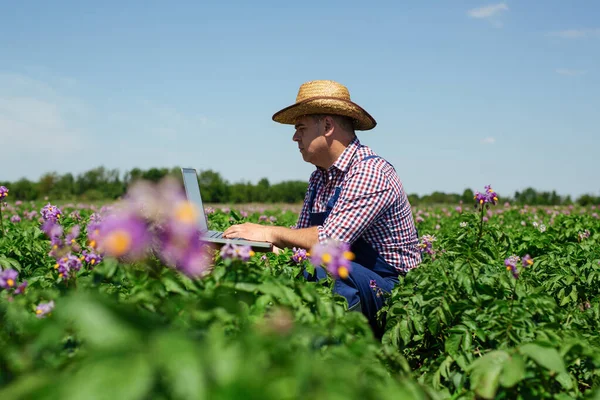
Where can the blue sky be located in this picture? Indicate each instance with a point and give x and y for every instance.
(465, 93)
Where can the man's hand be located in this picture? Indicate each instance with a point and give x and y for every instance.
(279, 236)
(249, 231)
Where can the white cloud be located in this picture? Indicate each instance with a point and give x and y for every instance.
(34, 118)
(488, 140)
(487, 11)
(570, 72)
(576, 33)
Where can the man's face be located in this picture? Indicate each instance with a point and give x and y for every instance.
(310, 139)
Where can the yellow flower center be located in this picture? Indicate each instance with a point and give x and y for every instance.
(10, 282)
(481, 201)
(495, 199)
(343, 272)
(56, 266)
(38, 312)
(348, 255)
(93, 244)
(252, 253)
(118, 243)
(186, 213)
(93, 261)
(326, 258)
(530, 262)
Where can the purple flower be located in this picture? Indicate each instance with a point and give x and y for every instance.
(419, 219)
(373, 285)
(75, 215)
(15, 218)
(236, 252)
(209, 210)
(73, 235)
(44, 309)
(21, 288)
(335, 256)
(583, 235)
(480, 198)
(527, 260)
(197, 262)
(511, 265)
(8, 278)
(426, 244)
(67, 264)
(299, 255)
(123, 235)
(262, 218)
(3, 192)
(244, 214)
(489, 196)
(90, 257)
(272, 219)
(51, 213)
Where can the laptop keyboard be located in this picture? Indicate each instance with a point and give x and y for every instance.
(219, 235)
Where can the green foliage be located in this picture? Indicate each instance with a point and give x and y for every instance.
(459, 326)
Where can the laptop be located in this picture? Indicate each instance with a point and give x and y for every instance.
(192, 191)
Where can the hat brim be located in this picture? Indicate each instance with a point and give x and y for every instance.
(362, 120)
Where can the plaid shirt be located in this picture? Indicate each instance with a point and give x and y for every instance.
(372, 205)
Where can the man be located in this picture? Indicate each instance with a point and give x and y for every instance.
(353, 196)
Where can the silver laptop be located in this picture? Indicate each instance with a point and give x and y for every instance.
(192, 191)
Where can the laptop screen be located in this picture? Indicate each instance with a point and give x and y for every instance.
(192, 191)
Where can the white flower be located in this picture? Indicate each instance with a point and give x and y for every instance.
(463, 224)
(542, 228)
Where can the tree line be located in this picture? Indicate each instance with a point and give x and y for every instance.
(108, 184)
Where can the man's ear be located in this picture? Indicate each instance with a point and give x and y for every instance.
(329, 125)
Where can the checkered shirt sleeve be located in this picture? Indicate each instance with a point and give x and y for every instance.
(365, 195)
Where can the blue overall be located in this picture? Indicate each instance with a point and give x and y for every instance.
(368, 265)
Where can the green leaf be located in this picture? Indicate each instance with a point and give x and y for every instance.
(96, 323)
(126, 376)
(433, 324)
(173, 286)
(466, 345)
(404, 331)
(452, 344)
(565, 300)
(565, 380)
(24, 387)
(513, 371)
(546, 357)
(178, 358)
(485, 373)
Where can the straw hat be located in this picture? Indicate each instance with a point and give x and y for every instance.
(325, 97)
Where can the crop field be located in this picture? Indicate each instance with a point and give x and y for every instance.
(124, 301)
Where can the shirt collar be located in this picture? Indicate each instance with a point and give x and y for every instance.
(344, 160)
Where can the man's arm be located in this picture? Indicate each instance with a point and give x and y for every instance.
(279, 236)
(283, 237)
